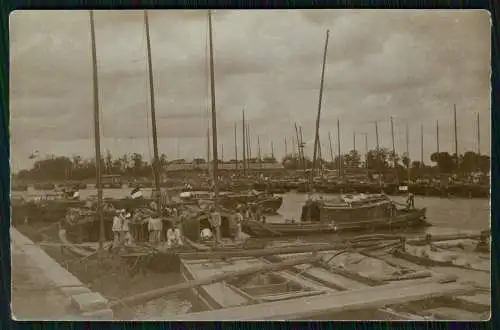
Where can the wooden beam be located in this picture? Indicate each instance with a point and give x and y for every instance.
(308, 307)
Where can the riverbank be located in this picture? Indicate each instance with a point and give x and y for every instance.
(113, 278)
(43, 290)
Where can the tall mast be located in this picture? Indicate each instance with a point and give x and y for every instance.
(316, 134)
(422, 145)
(286, 147)
(378, 146)
(222, 151)
(97, 137)
(272, 150)
(249, 144)
(354, 141)
(302, 149)
(437, 142)
(214, 113)
(258, 151)
(478, 137)
(156, 161)
(366, 152)
(408, 154)
(331, 147)
(340, 169)
(393, 144)
(244, 143)
(294, 151)
(299, 156)
(455, 125)
(208, 150)
(235, 148)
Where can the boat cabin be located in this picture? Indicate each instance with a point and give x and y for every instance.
(347, 208)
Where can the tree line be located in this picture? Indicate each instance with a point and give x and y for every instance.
(383, 159)
(135, 165)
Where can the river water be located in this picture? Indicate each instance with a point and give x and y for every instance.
(446, 216)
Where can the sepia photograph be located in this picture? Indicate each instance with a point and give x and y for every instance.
(250, 164)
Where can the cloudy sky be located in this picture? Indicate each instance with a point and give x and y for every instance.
(411, 65)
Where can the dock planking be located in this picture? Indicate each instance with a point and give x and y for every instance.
(308, 307)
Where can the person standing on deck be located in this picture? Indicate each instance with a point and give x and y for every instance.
(238, 219)
(215, 222)
(124, 231)
(155, 225)
(410, 202)
(117, 227)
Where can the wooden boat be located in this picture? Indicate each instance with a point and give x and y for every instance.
(269, 203)
(349, 213)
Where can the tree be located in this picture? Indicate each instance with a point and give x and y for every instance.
(137, 161)
(352, 159)
(377, 159)
(406, 160)
(444, 161)
(393, 158)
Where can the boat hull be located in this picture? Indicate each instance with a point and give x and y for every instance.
(411, 219)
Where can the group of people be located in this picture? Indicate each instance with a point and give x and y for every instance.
(123, 226)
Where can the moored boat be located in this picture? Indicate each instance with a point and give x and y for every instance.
(269, 203)
(347, 213)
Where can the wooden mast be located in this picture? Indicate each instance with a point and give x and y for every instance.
(478, 137)
(208, 150)
(249, 145)
(421, 147)
(340, 169)
(97, 136)
(286, 147)
(393, 144)
(302, 148)
(214, 115)
(437, 144)
(299, 156)
(272, 150)
(378, 148)
(366, 153)
(258, 151)
(456, 136)
(408, 154)
(318, 117)
(235, 148)
(244, 143)
(331, 147)
(156, 161)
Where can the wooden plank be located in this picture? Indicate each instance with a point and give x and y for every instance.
(334, 280)
(290, 295)
(303, 308)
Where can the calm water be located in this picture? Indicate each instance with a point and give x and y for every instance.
(446, 216)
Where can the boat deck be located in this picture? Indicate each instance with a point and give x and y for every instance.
(342, 283)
